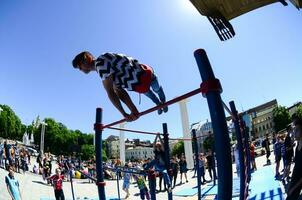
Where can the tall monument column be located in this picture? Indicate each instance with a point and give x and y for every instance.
(186, 133)
(122, 144)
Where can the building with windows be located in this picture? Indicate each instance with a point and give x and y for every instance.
(113, 146)
(261, 119)
(139, 153)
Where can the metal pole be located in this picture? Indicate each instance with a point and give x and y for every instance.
(222, 140)
(167, 157)
(118, 184)
(240, 149)
(98, 151)
(152, 184)
(197, 163)
(72, 191)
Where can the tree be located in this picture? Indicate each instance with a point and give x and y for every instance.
(299, 111)
(208, 143)
(281, 118)
(178, 148)
(10, 124)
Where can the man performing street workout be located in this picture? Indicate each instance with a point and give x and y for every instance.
(120, 72)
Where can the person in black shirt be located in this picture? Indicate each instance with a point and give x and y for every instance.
(159, 162)
(295, 185)
(211, 164)
(265, 145)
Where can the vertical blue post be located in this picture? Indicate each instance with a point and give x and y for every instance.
(118, 184)
(197, 164)
(152, 184)
(247, 149)
(71, 182)
(167, 156)
(98, 151)
(221, 134)
(240, 149)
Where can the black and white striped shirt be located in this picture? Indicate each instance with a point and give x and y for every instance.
(124, 69)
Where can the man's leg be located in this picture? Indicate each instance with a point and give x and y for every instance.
(157, 88)
(154, 98)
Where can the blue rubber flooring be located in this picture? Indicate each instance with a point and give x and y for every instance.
(264, 186)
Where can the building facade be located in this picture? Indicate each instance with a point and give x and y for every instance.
(139, 153)
(113, 147)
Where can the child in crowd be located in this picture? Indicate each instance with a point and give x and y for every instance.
(143, 189)
(57, 181)
(126, 183)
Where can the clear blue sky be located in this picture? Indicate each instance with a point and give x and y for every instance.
(40, 38)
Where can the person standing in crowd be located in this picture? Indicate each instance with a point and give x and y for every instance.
(295, 185)
(201, 164)
(57, 181)
(12, 184)
(159, 161)
(175, 169)
(211, 164)
(288, 153)
(143, 189)
(265, 145)
(236, 157)
(253, 156)
(126, 183)
(277, 152)
(183, 168)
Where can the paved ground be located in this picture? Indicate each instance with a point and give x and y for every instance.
(34, 188)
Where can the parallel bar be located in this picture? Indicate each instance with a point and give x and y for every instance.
(98, 151)
(227, 109)
(187, 95)
(220, 129)
(134, 131)
(188, 138)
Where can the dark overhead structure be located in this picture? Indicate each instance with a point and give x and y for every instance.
(220, 12)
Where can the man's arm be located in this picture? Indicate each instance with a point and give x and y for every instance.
(116, 99)
(124, 97)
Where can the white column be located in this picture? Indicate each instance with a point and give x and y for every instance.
(186, 133)
(122, 144)
(42, 137)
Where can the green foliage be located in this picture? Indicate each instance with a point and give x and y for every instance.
(57, 139)
(281, 118)
(10, 124)
(208, 143)
(178, 148)
(87, 151)
(299, 111)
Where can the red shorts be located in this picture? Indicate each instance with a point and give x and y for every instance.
(144, 80)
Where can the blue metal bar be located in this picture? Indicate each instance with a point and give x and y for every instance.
(221, 135)
(152, 184)
(167, 157)
(197, 163)
(71, 183)
(98, 151)
(118, 185)
(247, 148)
(240, 149)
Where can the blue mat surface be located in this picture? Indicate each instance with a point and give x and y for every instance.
(186, 192)
(213, 189)
(264, 186)
(84, 198)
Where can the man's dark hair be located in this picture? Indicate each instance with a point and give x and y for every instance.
(78, 59)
